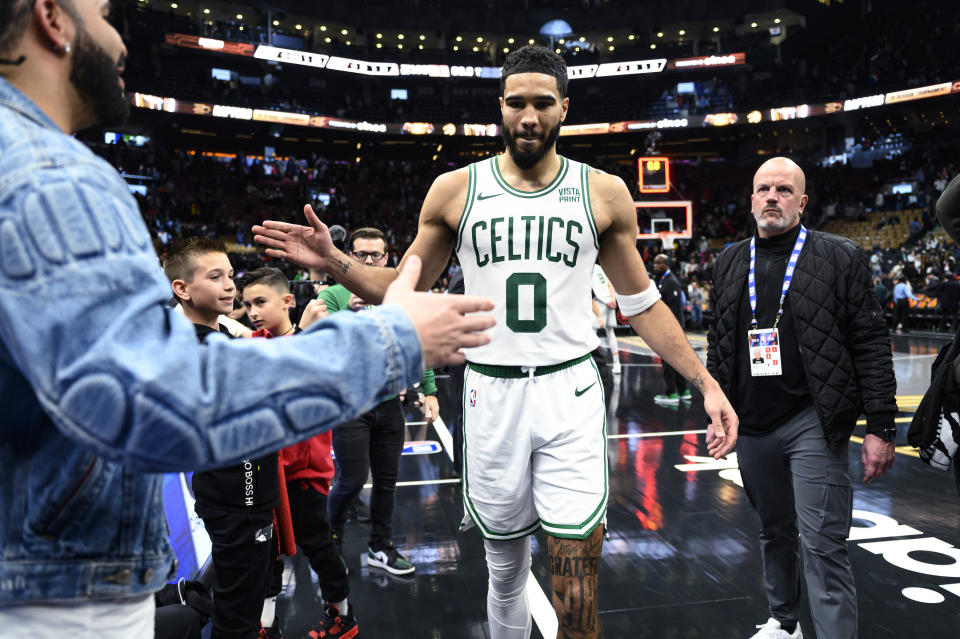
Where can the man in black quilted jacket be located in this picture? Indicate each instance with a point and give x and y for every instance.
(800, 347)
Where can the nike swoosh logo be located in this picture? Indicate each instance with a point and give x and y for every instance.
(579, 392)
(487, 197)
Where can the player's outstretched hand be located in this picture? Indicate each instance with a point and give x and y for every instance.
(724, 423)
(441, 320)
(308, 246)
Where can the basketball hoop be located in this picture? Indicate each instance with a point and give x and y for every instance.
(664, 219)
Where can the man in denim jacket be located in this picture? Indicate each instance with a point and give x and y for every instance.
(101, 385)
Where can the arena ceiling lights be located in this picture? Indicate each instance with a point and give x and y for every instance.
(932, 91)
(276, 54)
(779, 114)
(323, 61)
(172, 105)
(210, 44)
(708, 61)
(609, 69)
(363, 67)
(393, 69)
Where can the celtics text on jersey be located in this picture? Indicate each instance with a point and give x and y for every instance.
(532, 253)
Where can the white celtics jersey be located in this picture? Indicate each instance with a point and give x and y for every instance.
(532, 253)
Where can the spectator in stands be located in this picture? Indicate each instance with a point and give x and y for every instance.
(916, 228)
(898, 270)
(696, 304)
(883, 293)
(931, 287)
(940, 184)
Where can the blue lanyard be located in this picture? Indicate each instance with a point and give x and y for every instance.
(787, 277)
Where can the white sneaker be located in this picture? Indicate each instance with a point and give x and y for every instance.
(672, 398)
(772, 630)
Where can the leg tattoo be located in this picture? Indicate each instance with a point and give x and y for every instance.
(574, 568)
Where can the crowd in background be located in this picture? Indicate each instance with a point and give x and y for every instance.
(222, 197)
(893, 46)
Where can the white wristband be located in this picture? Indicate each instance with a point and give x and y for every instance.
(638, 302)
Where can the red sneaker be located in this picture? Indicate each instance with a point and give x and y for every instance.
(334, 625)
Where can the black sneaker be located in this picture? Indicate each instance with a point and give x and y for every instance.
(359, 512)
(334, 625)
(390, 559)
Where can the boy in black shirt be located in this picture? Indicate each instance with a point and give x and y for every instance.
(236, 503)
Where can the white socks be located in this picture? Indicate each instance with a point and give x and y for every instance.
(269, 613)
(614, 346)
(508, 612)
(341, 606)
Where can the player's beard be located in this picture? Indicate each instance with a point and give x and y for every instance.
(96, 78)
(528, 160)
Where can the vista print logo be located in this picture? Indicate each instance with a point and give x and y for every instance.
(569, 194)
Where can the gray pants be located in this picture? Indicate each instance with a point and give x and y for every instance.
(798, 484)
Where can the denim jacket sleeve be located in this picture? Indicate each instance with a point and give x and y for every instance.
(83, 321)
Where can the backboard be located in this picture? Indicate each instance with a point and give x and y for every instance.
(667, 220)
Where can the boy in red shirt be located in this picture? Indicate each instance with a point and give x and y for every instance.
(308, 466)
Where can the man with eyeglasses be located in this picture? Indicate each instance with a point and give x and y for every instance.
(373, 442)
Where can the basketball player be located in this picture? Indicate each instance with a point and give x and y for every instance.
(527, 227)
(603, 291)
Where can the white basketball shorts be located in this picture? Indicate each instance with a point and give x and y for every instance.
(535, 449)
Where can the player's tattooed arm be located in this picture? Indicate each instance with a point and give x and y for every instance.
(343, 265)
(574, 567)
(697, 382)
